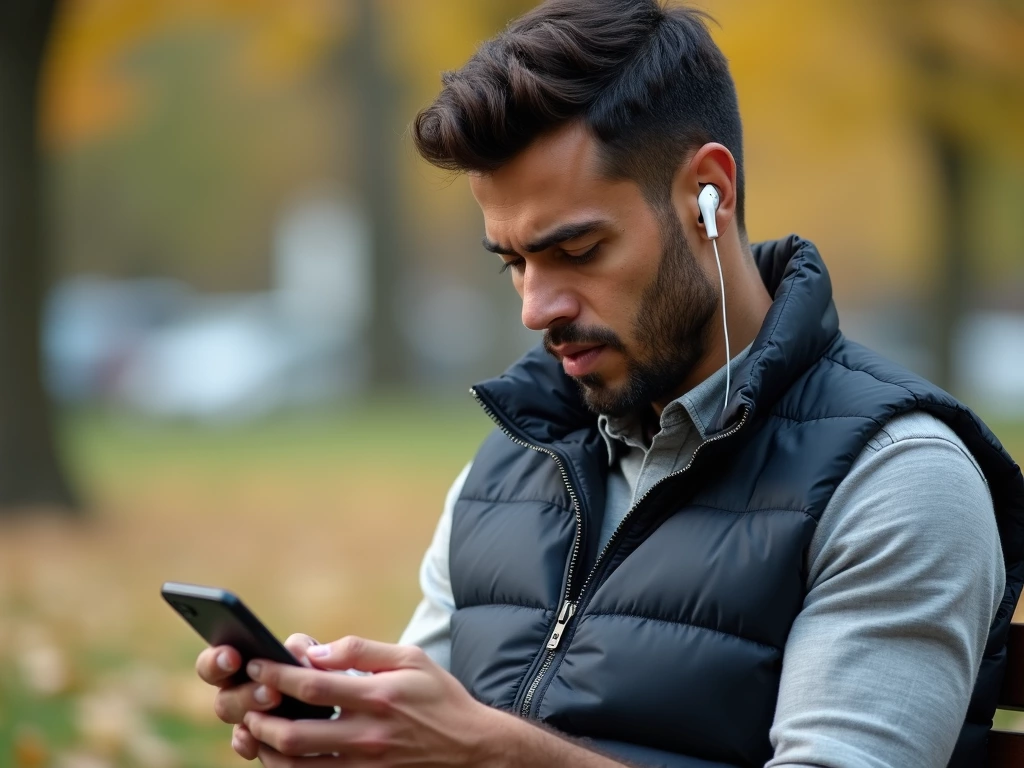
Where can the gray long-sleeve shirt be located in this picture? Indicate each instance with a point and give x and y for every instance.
(905, 574)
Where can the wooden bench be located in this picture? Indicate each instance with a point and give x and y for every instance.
(1005, 748)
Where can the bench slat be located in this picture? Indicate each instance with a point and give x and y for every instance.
(1012, 695)
(1005, 749)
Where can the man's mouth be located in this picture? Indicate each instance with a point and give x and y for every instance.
(579, 359)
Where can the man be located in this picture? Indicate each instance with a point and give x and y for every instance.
(709, 530)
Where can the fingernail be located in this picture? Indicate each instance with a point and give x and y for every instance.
(262, 695)
(318, 651)
(253, 669)
(224, 661)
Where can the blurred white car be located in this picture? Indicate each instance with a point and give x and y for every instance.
(157, 348)
(233, 359)
(93, 325)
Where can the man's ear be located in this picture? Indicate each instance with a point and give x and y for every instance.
(711, 163)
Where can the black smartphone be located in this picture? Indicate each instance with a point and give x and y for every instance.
(221, 618)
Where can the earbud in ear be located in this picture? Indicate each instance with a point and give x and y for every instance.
(707, 201)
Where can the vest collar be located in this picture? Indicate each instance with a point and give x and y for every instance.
(800, 325)
(537, 402)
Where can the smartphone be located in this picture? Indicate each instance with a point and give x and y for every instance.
(221, 618)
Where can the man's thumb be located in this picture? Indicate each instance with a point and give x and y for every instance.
(298, 644)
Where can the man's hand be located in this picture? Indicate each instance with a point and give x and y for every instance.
(218, 665)
(410, 712)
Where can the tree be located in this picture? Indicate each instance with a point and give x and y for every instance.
(30, 467)
(965, 74)
(379, 133)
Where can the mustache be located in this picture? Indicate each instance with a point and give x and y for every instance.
(571, 333)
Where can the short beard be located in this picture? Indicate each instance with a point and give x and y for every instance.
(671, 329)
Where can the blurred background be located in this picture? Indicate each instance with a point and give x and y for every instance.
(239, 316)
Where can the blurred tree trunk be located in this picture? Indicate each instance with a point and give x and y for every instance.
(934, 66)
(379, 144)
(30, 469)
(963, 84)
(952, 291)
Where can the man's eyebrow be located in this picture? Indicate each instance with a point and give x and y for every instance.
(493, 247)
(556, 236)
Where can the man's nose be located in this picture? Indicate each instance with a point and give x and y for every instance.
(547, 302)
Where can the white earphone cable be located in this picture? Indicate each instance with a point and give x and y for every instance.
(725, 326)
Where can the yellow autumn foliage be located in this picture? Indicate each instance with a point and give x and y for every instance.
(838, 99)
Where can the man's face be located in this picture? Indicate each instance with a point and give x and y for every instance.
(614, 286)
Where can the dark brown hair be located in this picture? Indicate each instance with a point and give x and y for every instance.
(648, 81)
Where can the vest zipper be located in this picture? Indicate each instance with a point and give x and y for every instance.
(629, 514)
(567, 612)
(568, 608)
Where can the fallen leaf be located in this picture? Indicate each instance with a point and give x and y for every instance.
(82, 760)
(45, 670)
(148, 749)
(192, 699)
(29, 748)
(106, 720)
(145, 684)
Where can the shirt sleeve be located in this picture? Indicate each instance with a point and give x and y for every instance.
(905, 577)
(430, 626)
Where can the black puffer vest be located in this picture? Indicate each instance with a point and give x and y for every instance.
(665, 648)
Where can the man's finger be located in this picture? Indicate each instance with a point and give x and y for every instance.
(231, 704)
(366, 655)
(313, 686)
(295, 738)
(271, 758)
(297, 645)
(216, 665)
(244, 743)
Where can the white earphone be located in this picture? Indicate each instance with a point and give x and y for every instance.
(707, 202)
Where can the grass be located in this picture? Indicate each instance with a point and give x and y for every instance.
(318, 520)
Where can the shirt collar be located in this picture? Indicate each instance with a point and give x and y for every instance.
(699, 405)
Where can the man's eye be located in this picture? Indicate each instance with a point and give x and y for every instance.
(583, 258)
(514, 264)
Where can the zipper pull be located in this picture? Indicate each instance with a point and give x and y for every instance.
(567, 612)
